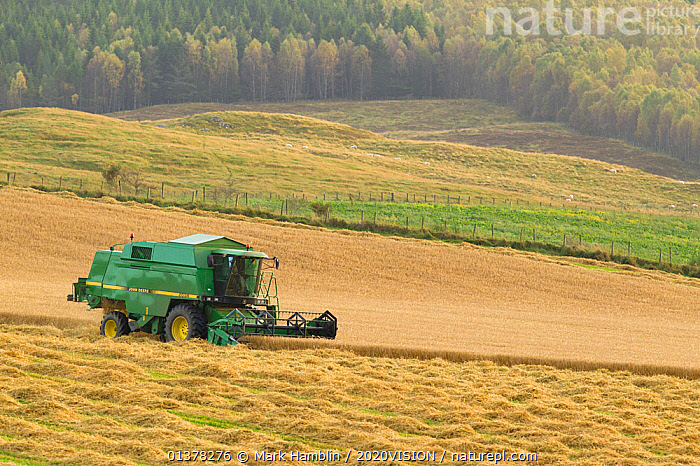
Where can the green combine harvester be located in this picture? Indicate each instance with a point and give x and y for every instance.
(199, 286)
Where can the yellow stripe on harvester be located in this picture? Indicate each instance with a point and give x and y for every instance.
(146, 290)
(114, 287)
(93, 283)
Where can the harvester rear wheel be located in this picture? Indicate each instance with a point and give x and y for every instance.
(115, 324)
(185, 322)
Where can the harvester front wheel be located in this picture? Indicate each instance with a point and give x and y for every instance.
(185, 322)
(115, 324)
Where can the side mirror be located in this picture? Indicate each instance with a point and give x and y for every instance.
(210, 261)
(277, 263)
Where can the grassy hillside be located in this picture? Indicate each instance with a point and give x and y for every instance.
(252, 152)
(71, 397)
(468, 121)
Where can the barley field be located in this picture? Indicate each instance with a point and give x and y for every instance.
(440, 348)
(406, 293)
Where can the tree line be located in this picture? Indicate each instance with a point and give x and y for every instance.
(114, 55)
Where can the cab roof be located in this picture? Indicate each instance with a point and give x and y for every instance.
(217, 244)
(200, 239)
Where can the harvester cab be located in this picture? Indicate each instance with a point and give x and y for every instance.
(199, 286)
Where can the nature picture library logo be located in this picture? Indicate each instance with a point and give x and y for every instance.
(660, 20)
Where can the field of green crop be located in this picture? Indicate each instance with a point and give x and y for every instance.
(641, 235)
(644, 234)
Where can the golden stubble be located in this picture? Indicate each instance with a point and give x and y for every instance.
(74, 398)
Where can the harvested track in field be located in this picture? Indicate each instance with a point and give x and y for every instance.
(384, 291)
(68, 397)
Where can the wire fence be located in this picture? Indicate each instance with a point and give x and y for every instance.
(457, 216)
(224, 193)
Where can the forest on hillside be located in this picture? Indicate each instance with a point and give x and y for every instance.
(114, 55)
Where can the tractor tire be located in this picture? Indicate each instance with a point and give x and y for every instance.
(115, 324)
(185, 322)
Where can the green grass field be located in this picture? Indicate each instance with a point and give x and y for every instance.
(648, 234)
(473, 121)
(641, 235)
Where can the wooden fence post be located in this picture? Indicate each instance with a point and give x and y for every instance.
(422, 222)
(392, 197)
(407, 222)
(629, 249)
(670, 256)
(612, 249)
(375, 218)
(521, 234)
(60, 183)
(204, 193)
(362, 217)
(474, 231)
(564, 239)
(162, 190)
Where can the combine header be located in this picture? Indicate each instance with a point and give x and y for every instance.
(199, 286)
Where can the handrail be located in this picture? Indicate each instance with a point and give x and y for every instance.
(267, 285)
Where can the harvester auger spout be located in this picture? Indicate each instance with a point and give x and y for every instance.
(199, 286)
